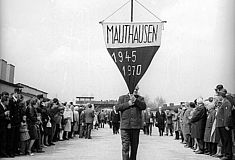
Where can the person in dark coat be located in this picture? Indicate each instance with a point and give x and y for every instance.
(194, 129)
(160, 120)
(89, 117)
(4, 120)
(115, 120)
(148, 120)
(32, 119)
(102, 119)
(53, 111)
(15, 118)
(130, 106)
(231, 98)
(199, 119)
(224, 126)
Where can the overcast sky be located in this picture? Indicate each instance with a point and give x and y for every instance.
(57, 46)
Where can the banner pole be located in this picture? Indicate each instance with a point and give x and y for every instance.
(131, 10)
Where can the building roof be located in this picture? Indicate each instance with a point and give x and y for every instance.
(24, 85)
(28, 94)
(3, 60)
(9, 83)
(86, 97)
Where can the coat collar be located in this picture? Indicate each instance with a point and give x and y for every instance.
(4, 107)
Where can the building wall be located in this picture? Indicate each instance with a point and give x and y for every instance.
(26, 97)
(3, 69)
(10, 73)
(6, 88)
(32, 91)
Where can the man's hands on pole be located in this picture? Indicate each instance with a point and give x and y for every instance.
(132, 100)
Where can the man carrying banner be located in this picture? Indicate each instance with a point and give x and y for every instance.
(130, 106)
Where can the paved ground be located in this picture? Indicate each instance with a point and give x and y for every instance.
(106, 146)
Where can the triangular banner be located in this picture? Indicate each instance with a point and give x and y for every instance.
(132, 47)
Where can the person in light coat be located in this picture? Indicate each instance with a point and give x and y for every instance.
(177, 123)
(187, 125)
(68, 114)
(210, 146)
(76, 121)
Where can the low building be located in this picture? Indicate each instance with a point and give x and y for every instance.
(7, 86)
(29, 92)
(98, 105)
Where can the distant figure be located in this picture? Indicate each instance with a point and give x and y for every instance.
(130, 106)
(160, 120)
(95, 122)
(82, 124)
(187, 125)
(68, 114)
(148, 120)
(102, 119)
(177, 123)
(143, 123)
(169, 122)
(115, 119)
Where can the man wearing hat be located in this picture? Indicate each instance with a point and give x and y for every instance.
(218, 88)
(15, 120)
(224, 126)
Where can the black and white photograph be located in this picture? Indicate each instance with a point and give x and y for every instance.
(117, 80)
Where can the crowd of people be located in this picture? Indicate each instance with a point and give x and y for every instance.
(28, 126)
(206, 126)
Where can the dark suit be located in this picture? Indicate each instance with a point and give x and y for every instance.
(223, 120)
(14, 134)
(160, 121)
(115, 118)
(3, 129)
(148, 119)
(169, 123)
(102, 119)
(231, 99)
(130, 124)
(89, 117)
